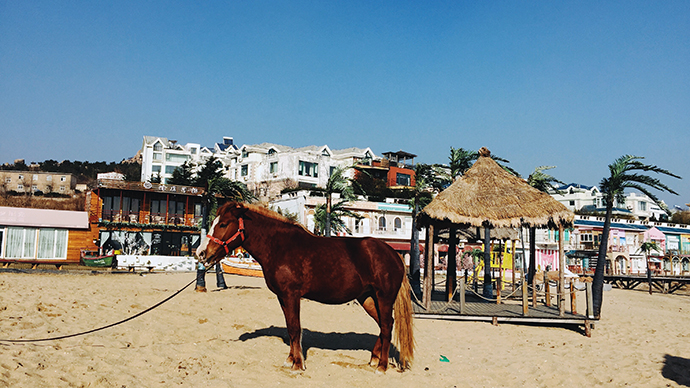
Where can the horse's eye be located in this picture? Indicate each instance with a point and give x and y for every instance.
(223, 225)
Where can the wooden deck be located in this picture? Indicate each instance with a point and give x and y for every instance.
(663, 284)
(511, 311)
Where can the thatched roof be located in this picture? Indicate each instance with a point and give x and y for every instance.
(488, 195)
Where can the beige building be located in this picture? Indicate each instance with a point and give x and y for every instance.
(34, 181)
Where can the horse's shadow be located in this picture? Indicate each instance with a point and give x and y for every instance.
(676, 369)
(326, 341)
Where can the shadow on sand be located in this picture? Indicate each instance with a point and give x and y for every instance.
(317, 339)
(677, 369)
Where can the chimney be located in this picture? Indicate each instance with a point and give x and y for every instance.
(227, 140)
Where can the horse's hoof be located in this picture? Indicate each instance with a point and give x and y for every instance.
(380, 370)
(374, 362)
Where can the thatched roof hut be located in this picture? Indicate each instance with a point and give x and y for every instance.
(489, 196)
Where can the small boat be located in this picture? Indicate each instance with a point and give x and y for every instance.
(91, 258)
(241, 266)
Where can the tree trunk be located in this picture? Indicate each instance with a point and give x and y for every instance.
(327, 227)
(532, 254)
(487, 291)
(414, 256)
(451, 268)
(649, 273)
(598, 281)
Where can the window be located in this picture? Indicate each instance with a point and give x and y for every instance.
(642, 206)
(156, 169)
(20, 187)
(193, 151)
(402, 179)
(63, 179)
(273, 168)
(170, 169)
(398, 223)
(382, 223)
(176, 158)
(157, 156)
(35, 177)
(308, 169)
(330, 170)
(8, 179)
(325, 152)
(34, 188)
(271, 152)
(52, 244)
(245, 153)
(62, 188)
(158, 146)
(21, 176)
(21, 242)
(49, 178)
(1, 232)
(158, 207)
(572, 203)
(244, 170)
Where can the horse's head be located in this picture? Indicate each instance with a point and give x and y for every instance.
(226, 234)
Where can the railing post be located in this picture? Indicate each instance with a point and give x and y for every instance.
(547, 289)
(590, 303)
(525, 296)
(573, 297)
(461, 293)
(498, 289)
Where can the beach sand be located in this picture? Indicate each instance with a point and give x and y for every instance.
(237, 338)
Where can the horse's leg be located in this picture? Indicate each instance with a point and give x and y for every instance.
(291, 306)
(385, 309)
(369, 304)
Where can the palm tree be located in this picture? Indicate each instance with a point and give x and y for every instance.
(424, 183)
(625, 174)
(336, 218)
(545, 183)
(646, 248)
(337, 183)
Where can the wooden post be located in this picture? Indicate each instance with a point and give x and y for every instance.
(525, 295)
(512, 265)
(428, 266)
(590, 304)
(499, 285)
(561, 271)
(487, 291)
(534, 290)
(573, 297)
(461, 293)
(451, 270)
(547, 289)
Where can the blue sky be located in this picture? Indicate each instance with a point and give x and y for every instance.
(570, 84)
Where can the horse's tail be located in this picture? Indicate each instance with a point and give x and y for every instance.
(404, 337)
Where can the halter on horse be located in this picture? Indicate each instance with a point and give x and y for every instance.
(297, 264)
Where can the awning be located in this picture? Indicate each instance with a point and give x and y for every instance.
(654, 260)
(403, 246)
(43, 218)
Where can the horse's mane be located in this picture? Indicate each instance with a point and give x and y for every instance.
(266, 212)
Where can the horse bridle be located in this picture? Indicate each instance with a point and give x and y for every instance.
(224, 244)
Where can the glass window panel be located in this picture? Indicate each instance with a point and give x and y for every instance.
(29, 243)
(15, 242)
(46, 243)
(61, 236)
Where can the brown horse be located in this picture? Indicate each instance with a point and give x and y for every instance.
(298, 264)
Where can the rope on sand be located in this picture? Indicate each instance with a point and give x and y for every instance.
(102, 327)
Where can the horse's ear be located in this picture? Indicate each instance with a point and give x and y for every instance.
(238, 210)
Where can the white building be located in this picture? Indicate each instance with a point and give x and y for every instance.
(388, 221)
(578, 197)
(160, 156)
(269, 168)
(265, 168)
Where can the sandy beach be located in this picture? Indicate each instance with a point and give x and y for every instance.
(237, 338)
